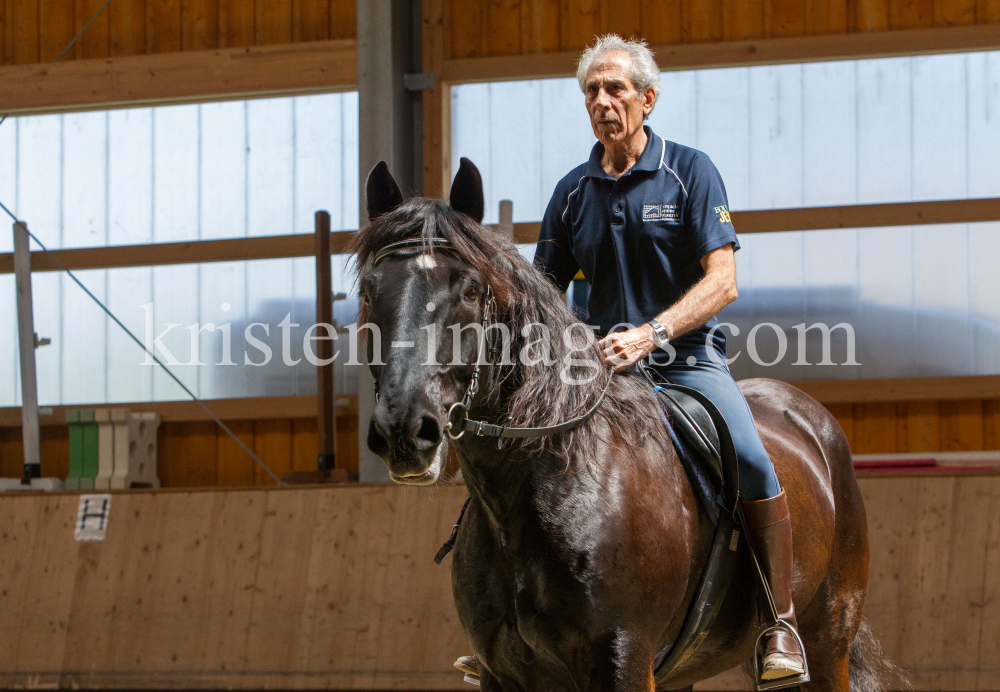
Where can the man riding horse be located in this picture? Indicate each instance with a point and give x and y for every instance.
(647, 221)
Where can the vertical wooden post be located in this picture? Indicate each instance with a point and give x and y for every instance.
(437, 102)
(26, 344)
(326, 397)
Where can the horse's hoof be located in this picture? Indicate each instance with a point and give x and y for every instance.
(780, 665)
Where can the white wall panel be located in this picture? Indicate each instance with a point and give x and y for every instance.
(776, 132)
(10, 388)
(723, 112)
(830, 120)
(940, 147)
(175, 217)
(849, 132)
(175, 173)
(884, 131)
(40, 177)
(85, 204)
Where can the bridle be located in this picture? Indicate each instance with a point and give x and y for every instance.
(463, 423)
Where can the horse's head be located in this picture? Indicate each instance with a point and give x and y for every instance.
(416, 294)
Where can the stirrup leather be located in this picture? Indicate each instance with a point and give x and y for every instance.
(758, 659)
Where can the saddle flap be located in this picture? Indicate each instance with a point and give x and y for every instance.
(694, 425)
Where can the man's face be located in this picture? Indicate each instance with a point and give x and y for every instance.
(615, 106)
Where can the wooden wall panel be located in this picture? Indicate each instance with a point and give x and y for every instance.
(343, 19)
(273, 445)
(503, 27)
(624, 19)
(236, 468)
(188, 455)
(540, 25)
(784, 18)
(466, 29)
(96, 40)
(481, 28)
(57, 26)
(742, 19)
(199, 24)
(310, 20)
(334, 587)
(163, 26)
(37, 30)
(701, 21)
(273, 22)
(580, 22)
(127, 27)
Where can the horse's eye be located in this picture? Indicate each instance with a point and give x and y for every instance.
(472, 294)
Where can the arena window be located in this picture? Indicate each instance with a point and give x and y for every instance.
(851, 132)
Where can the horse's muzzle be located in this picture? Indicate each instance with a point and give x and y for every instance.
(412, 446)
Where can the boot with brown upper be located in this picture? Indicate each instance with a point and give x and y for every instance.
(770, 530)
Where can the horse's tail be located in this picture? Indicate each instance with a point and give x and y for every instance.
(869, 667)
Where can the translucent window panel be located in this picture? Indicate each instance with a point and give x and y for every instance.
(91, 360)
(921, 301)
(817, 134)
(172, 173)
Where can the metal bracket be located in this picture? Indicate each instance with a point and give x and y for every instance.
(418, 81)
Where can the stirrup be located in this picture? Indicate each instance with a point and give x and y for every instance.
(758, 660)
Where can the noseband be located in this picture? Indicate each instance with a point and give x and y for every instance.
(465, 424)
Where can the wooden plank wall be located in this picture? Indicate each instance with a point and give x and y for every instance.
(199, 454)
(335, 588)
(963, 425)
(481, 28)
(37, 30)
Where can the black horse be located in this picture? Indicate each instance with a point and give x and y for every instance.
(580, 553)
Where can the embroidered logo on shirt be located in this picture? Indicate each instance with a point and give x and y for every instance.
(659, 212)
(723, 214)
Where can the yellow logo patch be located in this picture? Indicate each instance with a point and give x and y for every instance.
(723, 214)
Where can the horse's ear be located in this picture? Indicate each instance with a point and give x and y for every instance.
(467, 191)
(381, 191)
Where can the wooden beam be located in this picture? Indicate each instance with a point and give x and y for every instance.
(855, 216)
(243, 409)
(734, 53)
(189, 252)
(302, 245)
(867, 215)
(179, 77)
(902, 389)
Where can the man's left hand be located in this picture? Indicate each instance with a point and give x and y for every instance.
(622, 349)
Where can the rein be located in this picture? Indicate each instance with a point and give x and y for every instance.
(465, 424)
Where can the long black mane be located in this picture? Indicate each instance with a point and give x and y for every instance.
(566, 380)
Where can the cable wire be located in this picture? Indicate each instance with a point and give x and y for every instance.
(85, 27)
(152, 355)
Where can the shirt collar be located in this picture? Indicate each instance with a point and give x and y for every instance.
(649, 160)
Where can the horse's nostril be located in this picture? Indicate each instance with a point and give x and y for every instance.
(429, 430)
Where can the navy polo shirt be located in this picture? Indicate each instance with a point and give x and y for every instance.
(639, 239)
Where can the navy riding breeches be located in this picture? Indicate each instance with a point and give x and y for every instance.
(713, 379)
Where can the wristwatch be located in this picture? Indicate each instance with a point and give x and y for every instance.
(660, 334)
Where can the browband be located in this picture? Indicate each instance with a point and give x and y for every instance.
(410, 244)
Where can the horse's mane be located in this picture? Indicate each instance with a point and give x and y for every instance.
(532, 395)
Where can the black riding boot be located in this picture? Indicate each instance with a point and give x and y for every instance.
(771, 532)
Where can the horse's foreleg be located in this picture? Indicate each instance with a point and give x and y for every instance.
(626, 664)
